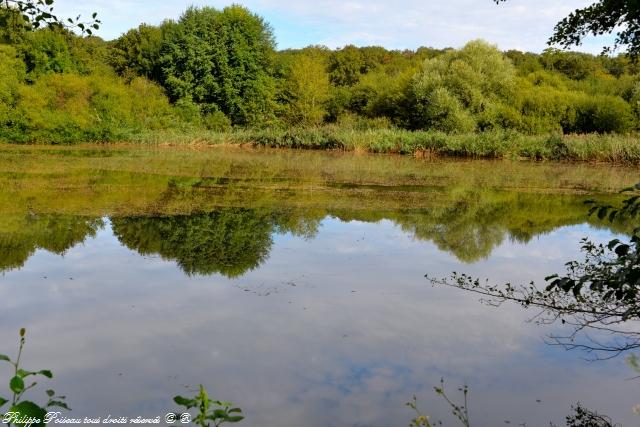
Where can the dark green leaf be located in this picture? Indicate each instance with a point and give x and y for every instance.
(5, 358)
(28, 409)
(235, 419)
(183, 401)
(16, 384)
(3, 401)
(47, 373)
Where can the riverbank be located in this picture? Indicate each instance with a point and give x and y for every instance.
(491, 145)
(499, 144)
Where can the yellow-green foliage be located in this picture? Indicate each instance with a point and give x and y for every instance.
(453, 88)
(12, 75)
(66, 108)
(307, 90)
(56, 87)
(547, 102)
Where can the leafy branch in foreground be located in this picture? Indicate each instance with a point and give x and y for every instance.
(598, 297)
(39, 14)
(601, 17)
(210, 412)
(23, 410)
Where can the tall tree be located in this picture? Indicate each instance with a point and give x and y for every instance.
(221, 61)
(307, 90)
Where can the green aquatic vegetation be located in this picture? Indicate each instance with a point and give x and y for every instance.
(22, 412)
(209, 412)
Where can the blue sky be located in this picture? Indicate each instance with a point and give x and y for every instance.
(399, 24)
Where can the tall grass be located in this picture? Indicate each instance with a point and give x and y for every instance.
(492, 144)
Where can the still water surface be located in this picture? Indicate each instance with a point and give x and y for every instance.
(303, 301)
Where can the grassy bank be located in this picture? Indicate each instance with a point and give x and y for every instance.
(496, 144)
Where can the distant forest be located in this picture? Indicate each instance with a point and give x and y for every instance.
(219, 70)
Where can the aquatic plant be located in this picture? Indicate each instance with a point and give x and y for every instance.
(210, 412)
(25, 412)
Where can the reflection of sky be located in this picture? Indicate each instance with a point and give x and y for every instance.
(338, 330)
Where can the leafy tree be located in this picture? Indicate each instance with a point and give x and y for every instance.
(220, 60)
(452, 88)
(307, 90)
(575, 65)
(12, 76)
(601, 17)
(345, 66)
(137, 52)
(47, 51)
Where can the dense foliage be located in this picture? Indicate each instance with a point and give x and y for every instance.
(213, 69)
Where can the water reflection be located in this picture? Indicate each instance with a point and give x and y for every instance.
(232, 241)
(229, 241)
(349, 332)
(21, 236)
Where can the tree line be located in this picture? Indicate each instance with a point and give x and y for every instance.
(217, 69)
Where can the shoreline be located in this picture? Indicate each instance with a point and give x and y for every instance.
(598, 148)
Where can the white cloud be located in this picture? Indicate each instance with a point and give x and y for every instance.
(517, 24)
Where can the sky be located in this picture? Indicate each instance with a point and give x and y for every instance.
(398, 24)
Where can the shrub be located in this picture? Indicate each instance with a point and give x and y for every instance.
(453, 87)
(69, 108)
(604, 114)
(216, 121)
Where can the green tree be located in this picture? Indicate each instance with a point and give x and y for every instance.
(137, 52)
(345, 66)
(452, 88)
(307, 90)
(220, 60)
(12, 76)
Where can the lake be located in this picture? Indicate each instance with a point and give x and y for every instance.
(292, 283)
